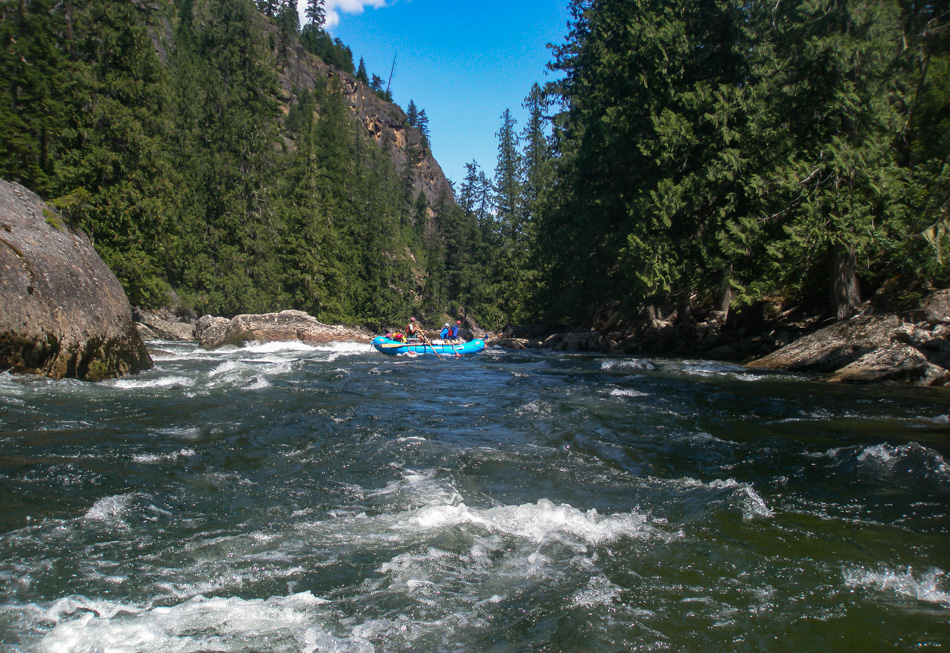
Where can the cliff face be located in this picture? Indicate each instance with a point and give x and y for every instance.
(385, 122)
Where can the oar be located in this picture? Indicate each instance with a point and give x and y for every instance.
(426, 340)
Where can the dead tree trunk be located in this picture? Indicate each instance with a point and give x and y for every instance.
(845, 291)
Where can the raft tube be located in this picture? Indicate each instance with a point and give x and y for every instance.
(394, 347)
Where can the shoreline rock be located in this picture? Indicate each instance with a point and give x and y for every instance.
(162, 325)
(65, 313)
(873, 348)
(285, 326)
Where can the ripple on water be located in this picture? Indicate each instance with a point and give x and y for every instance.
(887, 463)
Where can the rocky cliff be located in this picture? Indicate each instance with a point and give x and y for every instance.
(64, 313)
(384, 121)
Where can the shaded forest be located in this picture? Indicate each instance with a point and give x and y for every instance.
(707, 153)
(719, 153)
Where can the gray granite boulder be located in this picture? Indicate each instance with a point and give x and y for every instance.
(285, 326)
(64, 313)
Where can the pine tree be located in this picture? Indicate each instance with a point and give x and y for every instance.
(114, 176)
(268, 7)
(288, 23)
(236, 159)
(361, 72)
(315, 13)
(422, 123)
(31, 108)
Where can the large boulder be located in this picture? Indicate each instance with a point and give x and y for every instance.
(872, 348)
(835, 346)
(64, 312)
(898, 363)
(274, 327)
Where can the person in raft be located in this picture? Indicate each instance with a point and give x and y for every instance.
(445, 331)
(454, 333)
(398, 337)
(412, 330)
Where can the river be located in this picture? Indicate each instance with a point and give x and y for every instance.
(283, 497)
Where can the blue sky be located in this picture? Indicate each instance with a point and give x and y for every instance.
(463, 62)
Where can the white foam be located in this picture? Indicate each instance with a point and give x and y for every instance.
(110, 510)
(534, 408)
(904, 455)
(161, 382)
(259, 383)
(628, 364)
(599, 592)
(345, 347)
(931, 586)
(417, 489)
(162, 457)
(228, 368)
(537, 522)
(910, 460)
(277, 347)
(626, 392)
(711, 369)
(284, 623)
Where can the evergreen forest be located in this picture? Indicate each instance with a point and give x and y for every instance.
(699, 152)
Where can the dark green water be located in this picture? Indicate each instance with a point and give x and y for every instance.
(285, 498)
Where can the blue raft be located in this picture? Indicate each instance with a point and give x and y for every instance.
(388, 346)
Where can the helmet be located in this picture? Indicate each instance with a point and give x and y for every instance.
(458, 322)
(446, 324)
(412, 319)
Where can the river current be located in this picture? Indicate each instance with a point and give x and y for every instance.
(284, 497)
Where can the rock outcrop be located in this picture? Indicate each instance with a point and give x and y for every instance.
(383, 121)
(285, 326)
(162, 325)
(210, 330)
(64, 313)
(872, 348)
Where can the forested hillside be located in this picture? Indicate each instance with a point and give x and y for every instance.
(719, 152)
(222, 158)
(703, 153)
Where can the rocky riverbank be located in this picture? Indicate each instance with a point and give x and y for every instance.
(910, 346)
(212, 332)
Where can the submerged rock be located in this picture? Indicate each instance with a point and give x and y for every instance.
(285, 326)
(65, 313)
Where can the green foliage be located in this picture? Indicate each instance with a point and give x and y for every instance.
(317, 41)
(178, 169)
(723, 144)
(315, 13)
(31, 106)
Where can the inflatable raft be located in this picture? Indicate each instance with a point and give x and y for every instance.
(432, 347)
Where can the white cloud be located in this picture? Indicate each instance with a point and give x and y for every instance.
(335, 7)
